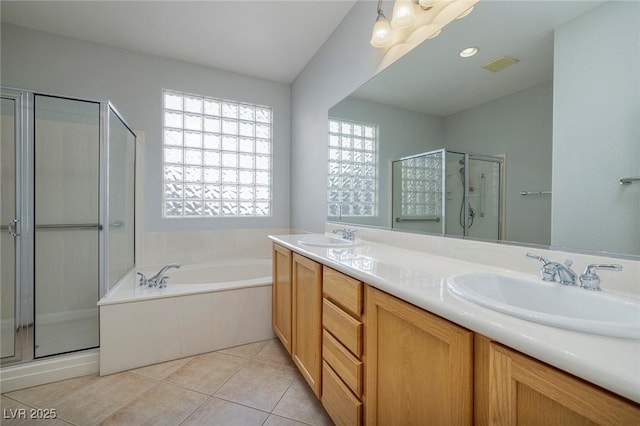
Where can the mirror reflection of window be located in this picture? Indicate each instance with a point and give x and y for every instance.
(352, 177)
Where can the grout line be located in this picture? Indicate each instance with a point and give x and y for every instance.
(186, 388)
(194, 410)
(134, 398)
(283, 394)
(241, 404)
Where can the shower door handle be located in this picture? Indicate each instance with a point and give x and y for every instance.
(12, 227)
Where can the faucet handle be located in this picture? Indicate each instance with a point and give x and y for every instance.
(548, 271)
(589, 280)
(540, 258)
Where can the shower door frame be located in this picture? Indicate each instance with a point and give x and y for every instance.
(501, 160)
(23, 211)
(24, 336)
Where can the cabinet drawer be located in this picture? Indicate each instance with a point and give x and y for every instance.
(343, 290)
(343, 407)
(348, 367)
(343, 326)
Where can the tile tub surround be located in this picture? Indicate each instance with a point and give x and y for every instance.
(420, 278)
(160, 248)
(253, 384)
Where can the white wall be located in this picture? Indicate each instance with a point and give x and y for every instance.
(598, 50)
(519, 126)
(134, 82)
(401, 133)
(343, 63)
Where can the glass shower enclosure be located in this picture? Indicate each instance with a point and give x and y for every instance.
(67, 220)
(448, 192)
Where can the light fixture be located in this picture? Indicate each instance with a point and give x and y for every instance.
(381, 36)
(469, 52)
(404, 14)
(412, 22)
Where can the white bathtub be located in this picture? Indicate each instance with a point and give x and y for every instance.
(203, 308)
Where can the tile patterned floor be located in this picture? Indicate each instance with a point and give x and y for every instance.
(254, 384)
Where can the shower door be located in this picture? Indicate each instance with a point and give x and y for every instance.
(10, 349)
(66, 238)
(484, 195)
(474, 195)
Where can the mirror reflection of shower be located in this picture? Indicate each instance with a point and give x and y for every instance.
(470, 211)
(449, 192)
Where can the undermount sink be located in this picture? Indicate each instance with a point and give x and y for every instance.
(326, 241)
(553, 304)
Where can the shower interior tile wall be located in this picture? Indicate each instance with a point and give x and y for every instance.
(205, 246)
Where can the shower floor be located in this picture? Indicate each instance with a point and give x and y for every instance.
(59, 337)
(66, 336)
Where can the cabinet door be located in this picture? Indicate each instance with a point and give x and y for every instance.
(307, 319)
(418, 366)
(281, 295)
(519, 390)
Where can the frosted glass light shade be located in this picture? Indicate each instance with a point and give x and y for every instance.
(381, 36)
(403, 14)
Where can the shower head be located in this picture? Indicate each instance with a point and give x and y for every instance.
(461, 161)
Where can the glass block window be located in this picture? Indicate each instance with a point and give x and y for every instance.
(217, 157)
(353, 163)
(421, 193)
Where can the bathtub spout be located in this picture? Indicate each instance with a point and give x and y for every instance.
(159, 279)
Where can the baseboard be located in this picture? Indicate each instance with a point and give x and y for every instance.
(49, 370)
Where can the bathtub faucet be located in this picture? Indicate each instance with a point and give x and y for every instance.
(158, 280)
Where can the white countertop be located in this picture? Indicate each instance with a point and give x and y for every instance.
(420, 279)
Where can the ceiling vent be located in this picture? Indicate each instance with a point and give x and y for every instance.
(501, 63)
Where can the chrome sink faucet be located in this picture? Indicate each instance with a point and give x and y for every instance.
(347, 234)
(554, 271)
(158, 280)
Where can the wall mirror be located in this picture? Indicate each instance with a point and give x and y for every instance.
(526, 141)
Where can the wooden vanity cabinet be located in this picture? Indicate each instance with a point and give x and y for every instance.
(342, 346)
(306, 347)
(514, 389)
(281, 293)
(374, 359)
(419, 367)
